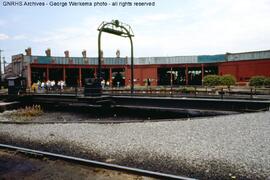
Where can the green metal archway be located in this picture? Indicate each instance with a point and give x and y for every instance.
(119, 29)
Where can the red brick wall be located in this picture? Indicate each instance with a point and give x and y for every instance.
(243, 70)
(142, 72)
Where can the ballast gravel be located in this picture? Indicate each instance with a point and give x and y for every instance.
(233, 146)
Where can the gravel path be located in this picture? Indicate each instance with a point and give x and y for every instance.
(234, 146)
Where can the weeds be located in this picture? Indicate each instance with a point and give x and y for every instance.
(26, 113)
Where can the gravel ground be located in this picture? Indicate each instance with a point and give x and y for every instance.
(228, 147)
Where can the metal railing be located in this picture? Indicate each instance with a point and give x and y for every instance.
(183, 91)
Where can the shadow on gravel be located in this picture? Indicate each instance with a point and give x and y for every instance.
(214, 169)
(120, 113)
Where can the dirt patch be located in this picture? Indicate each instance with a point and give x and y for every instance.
(14, 165)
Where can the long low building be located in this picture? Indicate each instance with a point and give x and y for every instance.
(174, 70)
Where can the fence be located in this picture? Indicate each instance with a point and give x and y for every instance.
(184, 91)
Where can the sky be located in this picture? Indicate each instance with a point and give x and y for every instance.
(170, 28)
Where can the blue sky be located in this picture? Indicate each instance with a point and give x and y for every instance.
(174, 27)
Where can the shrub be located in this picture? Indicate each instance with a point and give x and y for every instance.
(257, 81)
(266, 82)
(188, 90)
(227, 80)
(211, 80)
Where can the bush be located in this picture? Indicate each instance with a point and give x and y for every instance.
(266, 82)
(257, 81)
(227, 80)
(187, 90)
(211, 80)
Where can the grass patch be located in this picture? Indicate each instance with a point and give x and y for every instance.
(26, 113)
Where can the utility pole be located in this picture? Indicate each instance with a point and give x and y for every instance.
(1, 65)
(4, 62)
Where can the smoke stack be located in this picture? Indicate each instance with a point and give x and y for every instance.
(48, 52)
(66, 54)
(84, 53)
(118, 53)
(28, 51)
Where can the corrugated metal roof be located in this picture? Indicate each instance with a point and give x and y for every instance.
(248, 55)
(73, 60)
(150, 60)
(166, 60)
(211, 58)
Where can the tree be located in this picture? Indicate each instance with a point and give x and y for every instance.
(227, 80)
(211, 80)
(257, 81)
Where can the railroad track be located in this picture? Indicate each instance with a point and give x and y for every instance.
(90, 122)
(88, 162)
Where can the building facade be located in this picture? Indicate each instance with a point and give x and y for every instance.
(176, 70)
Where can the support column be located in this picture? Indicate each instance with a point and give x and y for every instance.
(29, 75)
(171, 78)
(186, 72)
(141, 76)
(110, 81)
(95, 72)
(47, 73)
(80, 77)
(64, 74)
(202, 73)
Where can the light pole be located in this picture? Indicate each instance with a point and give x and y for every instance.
(1, 65)
(119, 29)
(4, 62)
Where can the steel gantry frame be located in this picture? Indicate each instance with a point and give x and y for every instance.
(120, 29)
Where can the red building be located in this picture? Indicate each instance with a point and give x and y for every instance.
(177, 70)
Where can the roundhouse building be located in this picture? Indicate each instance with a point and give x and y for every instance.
(175, 70)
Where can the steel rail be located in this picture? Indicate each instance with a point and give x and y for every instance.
(96, 163)
(94, 122)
